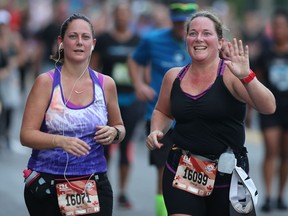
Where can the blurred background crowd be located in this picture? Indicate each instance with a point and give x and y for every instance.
(28, 32)
(29, 29)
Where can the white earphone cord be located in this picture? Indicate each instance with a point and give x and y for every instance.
(65, 106)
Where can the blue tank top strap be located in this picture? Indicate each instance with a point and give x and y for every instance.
(56, 77)
(94, 77)
(183, 71)
(97, 80)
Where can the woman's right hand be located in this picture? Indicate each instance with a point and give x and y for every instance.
(152, 140)
(71, 145)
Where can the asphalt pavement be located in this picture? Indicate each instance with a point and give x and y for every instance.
(142, 182)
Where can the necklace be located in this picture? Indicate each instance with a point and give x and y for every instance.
(79, 92)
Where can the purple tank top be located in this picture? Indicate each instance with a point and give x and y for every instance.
(73, 122)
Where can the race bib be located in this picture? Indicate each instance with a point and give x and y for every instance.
(195, 175)
(78, 197)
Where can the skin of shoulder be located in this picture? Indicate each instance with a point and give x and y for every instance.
(37, 102)
(42, 87)
(109, 88)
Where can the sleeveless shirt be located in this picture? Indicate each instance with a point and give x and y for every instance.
(72, 121)
(209, 122)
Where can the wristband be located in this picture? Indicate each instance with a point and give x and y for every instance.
(117, 135)
(249, 78)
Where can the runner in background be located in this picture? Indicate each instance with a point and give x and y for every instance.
(110, 57)
(272, 70)
(161, 49)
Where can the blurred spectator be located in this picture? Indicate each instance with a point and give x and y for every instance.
(46, 37)
(110, 57)
(272, 70)
(160, 16)
(253, 36)
(4, 18)
(11, 55)
(161, 49)
(28, 47)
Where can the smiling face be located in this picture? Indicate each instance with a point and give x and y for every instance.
(203, 39)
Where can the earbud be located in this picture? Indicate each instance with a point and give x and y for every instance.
(60, 46)
(92, 48)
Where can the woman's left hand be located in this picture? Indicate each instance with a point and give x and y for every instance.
(238, 62)
(105, 135)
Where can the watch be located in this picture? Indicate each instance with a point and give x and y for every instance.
(118, 134)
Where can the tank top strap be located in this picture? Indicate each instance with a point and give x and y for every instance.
(221, 68)
(99, 80)
(54, 76)
(183, 71)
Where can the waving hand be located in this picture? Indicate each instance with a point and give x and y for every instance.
(238, 62)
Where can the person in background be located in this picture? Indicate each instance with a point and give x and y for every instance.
(4, 71)
(11, 53)
(71, 113)
(161, 50)
(110, 56)
(207, 100)
(252, 35)
(272, 70)
(46, 36)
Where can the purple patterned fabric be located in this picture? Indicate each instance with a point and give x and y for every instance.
(72, 121)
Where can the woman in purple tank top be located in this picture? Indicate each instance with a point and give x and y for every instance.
(71, 113)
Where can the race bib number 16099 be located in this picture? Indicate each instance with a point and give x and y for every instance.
(195, 175)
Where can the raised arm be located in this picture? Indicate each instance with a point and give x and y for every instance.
(247, 87)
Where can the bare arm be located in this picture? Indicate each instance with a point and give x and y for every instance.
(30, 134)
(162, 118)
(254, 93)
(37, 102)
(143, 91)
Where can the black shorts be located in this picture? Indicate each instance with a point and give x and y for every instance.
(158, 157)
(178, 201)
(41, 202)
(277, 119)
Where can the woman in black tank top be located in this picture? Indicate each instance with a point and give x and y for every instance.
(207, 100)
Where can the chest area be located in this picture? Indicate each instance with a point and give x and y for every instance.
(215, 103)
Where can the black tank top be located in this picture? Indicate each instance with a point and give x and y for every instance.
(209, 122)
